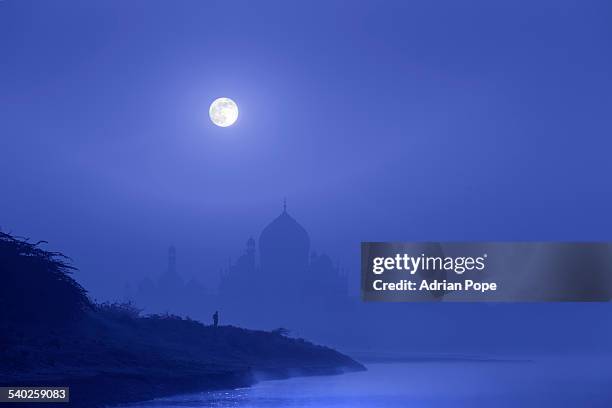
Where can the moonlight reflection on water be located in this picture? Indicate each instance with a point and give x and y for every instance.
(546, 382)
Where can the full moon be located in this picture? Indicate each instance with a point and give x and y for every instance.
(223, 112)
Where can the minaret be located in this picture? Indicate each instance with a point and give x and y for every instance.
(250, 246)
(249, 257)
(170, 281)
(285, 205)
(172, 260)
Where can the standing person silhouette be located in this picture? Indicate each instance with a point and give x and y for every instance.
(216, 318)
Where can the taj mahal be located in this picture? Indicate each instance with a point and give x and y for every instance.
(280, 277)
(281, 269)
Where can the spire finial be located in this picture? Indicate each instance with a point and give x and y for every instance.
(285, 204)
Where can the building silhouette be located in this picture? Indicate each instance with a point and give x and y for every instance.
(277, 281)
(169, 292)
(282, 280)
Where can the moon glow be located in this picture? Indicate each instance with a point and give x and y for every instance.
(223, 112)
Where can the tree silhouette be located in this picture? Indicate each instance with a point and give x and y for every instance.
(36, 286)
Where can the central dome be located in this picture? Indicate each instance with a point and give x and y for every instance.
(284, 244)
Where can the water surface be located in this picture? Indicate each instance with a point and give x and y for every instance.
(543, 382)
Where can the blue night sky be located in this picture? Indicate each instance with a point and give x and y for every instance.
(437, 120)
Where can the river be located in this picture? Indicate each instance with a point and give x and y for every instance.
(539, 382)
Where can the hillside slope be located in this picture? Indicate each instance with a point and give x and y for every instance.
(109, 354)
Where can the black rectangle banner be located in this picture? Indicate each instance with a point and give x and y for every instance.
(486, 271)
(34, 394)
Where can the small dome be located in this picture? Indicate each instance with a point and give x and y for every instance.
(323, 262)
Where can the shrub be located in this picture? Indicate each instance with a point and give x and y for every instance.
(36, 286)
(118, 310)
(281, 331)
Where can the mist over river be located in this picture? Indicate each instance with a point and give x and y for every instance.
(437, 382)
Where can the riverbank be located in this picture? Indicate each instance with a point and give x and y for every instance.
(106, 362)
(52, 334)
(111, 389)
